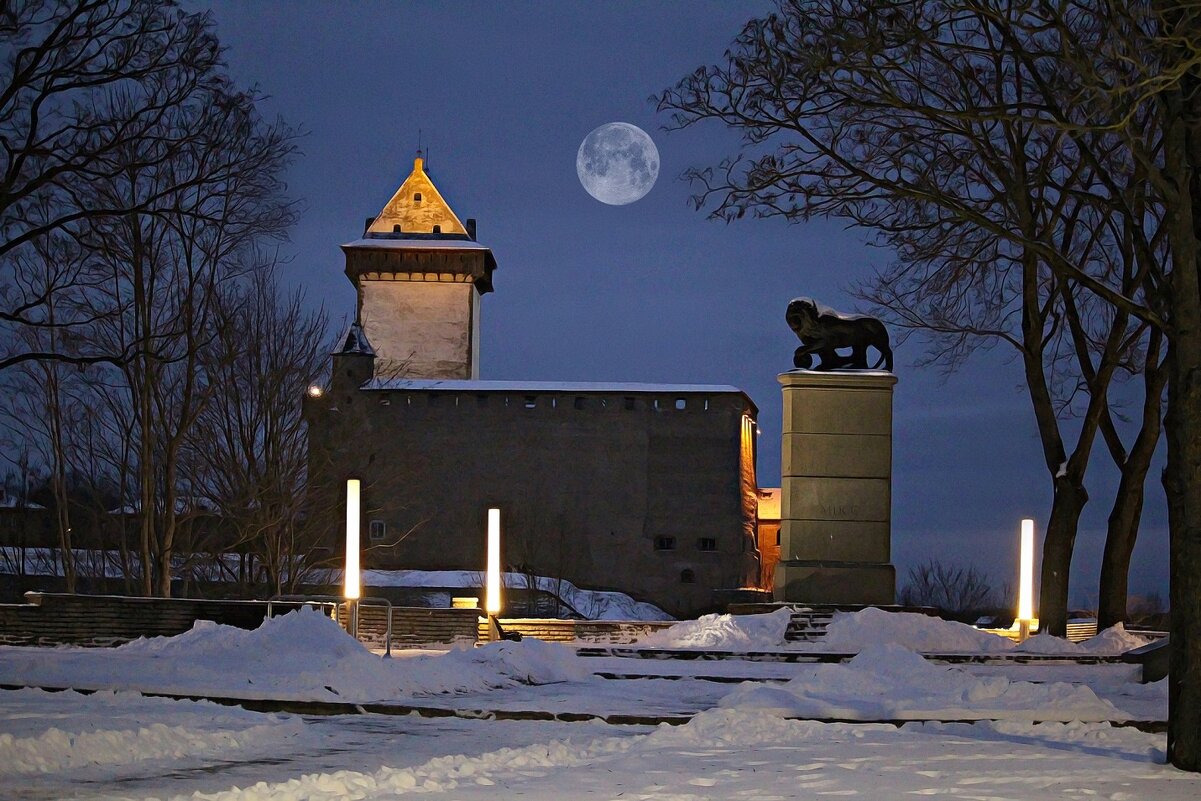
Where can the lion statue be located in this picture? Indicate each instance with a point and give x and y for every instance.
(823, 331)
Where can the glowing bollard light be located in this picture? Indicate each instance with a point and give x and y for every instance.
(352, 587)
(1026, 619)
(492, 602)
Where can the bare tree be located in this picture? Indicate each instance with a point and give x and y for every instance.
(961, 592)
(84, 87)
(248, 450)
(1111, 91)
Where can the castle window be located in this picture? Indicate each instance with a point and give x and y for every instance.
(706, 544)
(531, 401)
(665, 543)
(437, 229)
(416, 197)
(687, 576)
(681, 404)
(655, 404)
(604, 402)
(629, 404)
(706, 404)
(581, 403)
(377, 530)
(777, 537)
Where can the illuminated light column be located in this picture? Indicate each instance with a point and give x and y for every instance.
(492, 602)
(352, 587)
(1026, 581)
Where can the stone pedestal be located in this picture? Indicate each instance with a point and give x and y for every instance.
(836, 488)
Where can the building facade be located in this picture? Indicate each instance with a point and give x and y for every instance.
(647, 489)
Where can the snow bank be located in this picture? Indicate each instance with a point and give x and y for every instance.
(724, 632)
(115, 728)
(1049, 644)
(303, 655)
(592, 604)
(1119, 740)
(853, 631)
(889, 682)
(1114, 640)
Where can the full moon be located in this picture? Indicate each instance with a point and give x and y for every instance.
(617, 163)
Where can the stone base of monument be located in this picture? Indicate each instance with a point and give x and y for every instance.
(836, 488)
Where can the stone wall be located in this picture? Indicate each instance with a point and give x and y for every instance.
(53, 619)
(636, 492)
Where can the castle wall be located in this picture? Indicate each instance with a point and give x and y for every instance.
(422, 329)
(592, 486)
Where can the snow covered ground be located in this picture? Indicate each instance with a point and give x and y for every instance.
(739, 743)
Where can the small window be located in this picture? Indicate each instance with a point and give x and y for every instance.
(706, 404)
(681, 404)
(604, 403)
(629, 404)
(581, 403)
(665, 543)
(655, 404)
(706, 544)
(777, 537)
(687, 576)
(377, 530)
(437, 229)
(531, 401)
(416, 197)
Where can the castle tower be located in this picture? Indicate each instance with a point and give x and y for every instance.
(419, 275)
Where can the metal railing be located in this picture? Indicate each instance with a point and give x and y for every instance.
(336, 603)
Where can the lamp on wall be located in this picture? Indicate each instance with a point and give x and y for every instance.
(492, 599)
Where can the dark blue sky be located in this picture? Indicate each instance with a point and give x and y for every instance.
(652, 291)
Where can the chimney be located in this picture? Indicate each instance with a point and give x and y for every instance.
(471, 228)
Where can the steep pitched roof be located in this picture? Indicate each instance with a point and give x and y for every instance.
(417, 207)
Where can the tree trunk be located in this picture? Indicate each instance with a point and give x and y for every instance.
(1128, 505)
(1057, 555)
(1182, 481)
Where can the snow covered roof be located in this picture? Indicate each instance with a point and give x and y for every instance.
(356, 341)
(436, 385)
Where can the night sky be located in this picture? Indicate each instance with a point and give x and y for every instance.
(503, 94)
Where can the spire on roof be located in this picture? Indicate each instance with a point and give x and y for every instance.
(417, 208)
(355, 341)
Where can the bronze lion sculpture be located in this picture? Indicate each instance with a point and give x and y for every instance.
(823, 331)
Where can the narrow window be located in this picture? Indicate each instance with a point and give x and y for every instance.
(530, 401)
(416, 197)
(681, 404)
(655, 404)
(706, 544)
(777, 537)
(604, 403)
(378, 530)
(687, 576)
(665, 543)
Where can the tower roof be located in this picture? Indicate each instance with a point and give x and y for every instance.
(417, 207)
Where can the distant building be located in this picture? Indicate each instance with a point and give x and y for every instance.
(647, 489)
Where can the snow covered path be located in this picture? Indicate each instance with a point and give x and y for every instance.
(739, 744)
(726, 754)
